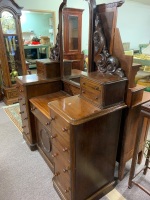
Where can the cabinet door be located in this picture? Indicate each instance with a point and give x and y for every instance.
(11, 51)
(72, 25)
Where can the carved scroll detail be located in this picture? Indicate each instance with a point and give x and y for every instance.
(105, 62)
(55, 51)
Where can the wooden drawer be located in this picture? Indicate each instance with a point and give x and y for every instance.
(42, 118)
(103, 90)
(86, 83)
(59, 156)
(61, 144)
(60, 125)
(94, 96)
(62, 166)
(20, 89)
(64, 190)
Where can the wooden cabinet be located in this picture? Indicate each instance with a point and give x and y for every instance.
(44, 137)
(96, 88)
(83, 155)
(11, 50)
(31, 86)
(72, 34)
(47, 68)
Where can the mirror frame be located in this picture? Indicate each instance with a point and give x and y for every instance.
(92, 7)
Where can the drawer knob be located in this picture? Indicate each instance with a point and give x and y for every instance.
(47, 123)
(57, 174)
(21, 112)
(32, 109)
(67, 190)
(65, 149)
(23, 126)
(25, 118)
(83, 83)
(83, 91)
(64, 129)
(21, 90)
(54, 155)
(24, 104)
(53, 136)
(66, 169)
(19, 99)
(52, 118)
(96, 88)
(96, 98)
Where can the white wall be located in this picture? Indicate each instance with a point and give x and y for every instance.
(133, 18)
(133, 22)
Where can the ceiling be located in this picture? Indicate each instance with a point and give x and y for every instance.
(147, 2)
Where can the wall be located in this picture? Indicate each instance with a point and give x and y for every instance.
(38, 23)
(133, 18)
(133, 22)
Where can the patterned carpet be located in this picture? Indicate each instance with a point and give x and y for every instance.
(13, 113)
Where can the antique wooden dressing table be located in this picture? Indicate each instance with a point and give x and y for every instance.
(78, 135)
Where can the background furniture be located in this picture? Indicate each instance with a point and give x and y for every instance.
(11, 51)
(72, 36)
(39, 51)
(30, 86)
(144, 113)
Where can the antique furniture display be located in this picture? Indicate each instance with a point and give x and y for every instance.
(81, 136)
(39, 108)
(38, 48)
(144, 113)
(72, 37)
(11, 51)
(30, 86)
(79, 155)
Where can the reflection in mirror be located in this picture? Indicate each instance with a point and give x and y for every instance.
(73, 33)
(75, 48)
(38, 23)
(38, 34)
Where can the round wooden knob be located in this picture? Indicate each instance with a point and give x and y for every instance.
(57, 174)
(53, 136)
(54, 155)
(64, 129)
(65, 149)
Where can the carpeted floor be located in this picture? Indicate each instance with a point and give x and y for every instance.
(13, 112)
(24, 175)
